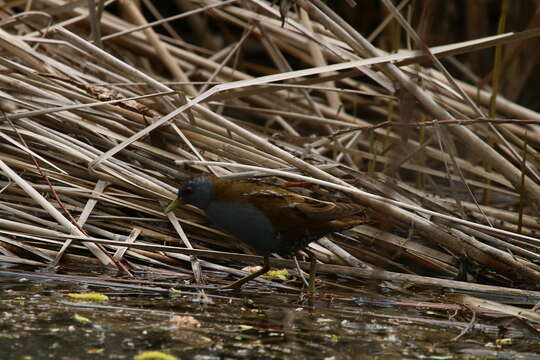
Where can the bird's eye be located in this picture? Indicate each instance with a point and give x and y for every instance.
(188, 190)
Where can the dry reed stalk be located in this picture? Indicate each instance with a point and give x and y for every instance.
(106, 128)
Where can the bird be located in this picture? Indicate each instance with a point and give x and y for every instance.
(266, 217)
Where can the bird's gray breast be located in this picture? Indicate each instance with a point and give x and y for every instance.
(245, 222)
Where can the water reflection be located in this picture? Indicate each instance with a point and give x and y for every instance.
(38, 321)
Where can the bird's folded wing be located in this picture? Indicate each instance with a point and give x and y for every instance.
(326, 211)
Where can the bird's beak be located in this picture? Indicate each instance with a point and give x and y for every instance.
(173, 205)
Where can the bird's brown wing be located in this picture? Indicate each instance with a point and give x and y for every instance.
(284, 207)
(290, 210)
(314, 219)
(326, 211)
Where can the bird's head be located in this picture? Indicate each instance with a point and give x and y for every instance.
(197, 191)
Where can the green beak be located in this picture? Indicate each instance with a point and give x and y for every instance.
(173, 205)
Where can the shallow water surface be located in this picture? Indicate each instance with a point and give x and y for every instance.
(39, 321)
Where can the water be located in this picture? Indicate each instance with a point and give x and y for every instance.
(37, 321)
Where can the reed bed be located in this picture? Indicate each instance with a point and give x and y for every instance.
(103, 116)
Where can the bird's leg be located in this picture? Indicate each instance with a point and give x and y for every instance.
(312, 273)
(300, 272)
(245, 279)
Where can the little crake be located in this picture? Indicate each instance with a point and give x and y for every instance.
(269, 218)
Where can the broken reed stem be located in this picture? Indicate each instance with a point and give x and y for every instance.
(96, 122)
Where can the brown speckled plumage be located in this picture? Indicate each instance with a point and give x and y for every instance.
(269, 218)
(296, 220)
